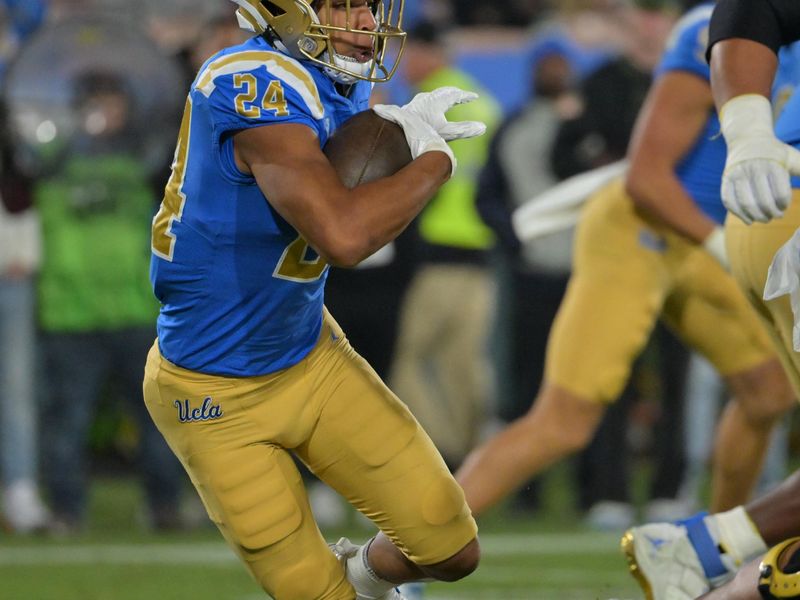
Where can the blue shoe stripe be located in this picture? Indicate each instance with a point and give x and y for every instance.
(706, 548)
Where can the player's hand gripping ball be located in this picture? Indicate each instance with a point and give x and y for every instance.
(367, 147)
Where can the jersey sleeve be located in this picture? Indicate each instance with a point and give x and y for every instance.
(773, 23)
(252, 89)
(686, 47)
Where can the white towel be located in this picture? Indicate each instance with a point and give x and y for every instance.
(559, 207)
(784, 278)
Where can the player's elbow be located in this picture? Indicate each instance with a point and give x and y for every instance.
(344, 260)
(636, 186)
(344, 251)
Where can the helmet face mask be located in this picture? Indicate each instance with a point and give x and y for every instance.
(303, 34)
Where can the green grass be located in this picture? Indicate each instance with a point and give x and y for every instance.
(550, 557)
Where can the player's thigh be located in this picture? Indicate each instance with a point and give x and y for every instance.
(619, 282)
(251, 489)
(369, 447)
(711, 313)
(751, 249)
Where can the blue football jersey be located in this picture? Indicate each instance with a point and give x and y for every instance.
(700, 171)
(784, 99)
(241, 291)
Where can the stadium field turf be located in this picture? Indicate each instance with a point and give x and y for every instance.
(549, 557)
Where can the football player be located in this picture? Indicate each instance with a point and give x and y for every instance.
(646, 247)
(685, 559)
(249, 368)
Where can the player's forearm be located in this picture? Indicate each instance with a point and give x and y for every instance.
(662, 196)
(744, 38)
(379, 211)
(740, 66)
(776, 515)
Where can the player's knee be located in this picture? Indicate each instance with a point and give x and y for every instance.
(575, 439)
(765, 395)
(458, 566)
(569, 430)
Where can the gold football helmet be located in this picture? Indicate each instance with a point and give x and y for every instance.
(297, 27)
(779, 571)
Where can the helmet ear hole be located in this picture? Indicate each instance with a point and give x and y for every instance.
(273, 8)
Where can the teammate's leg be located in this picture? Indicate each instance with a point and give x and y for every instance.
(620, 279)
(559, 424)
(711, 314)
(744, 532)
(751, 249)
(762, 395)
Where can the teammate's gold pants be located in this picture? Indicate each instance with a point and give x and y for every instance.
(627, 272)
(751, 249)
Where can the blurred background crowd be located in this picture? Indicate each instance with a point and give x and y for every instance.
(454, 315)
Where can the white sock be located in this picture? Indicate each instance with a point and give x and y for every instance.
(366, 583)
(736, 534)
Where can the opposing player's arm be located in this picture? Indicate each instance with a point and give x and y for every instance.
(343, 225)
(672, 117)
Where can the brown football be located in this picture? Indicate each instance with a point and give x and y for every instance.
(367, 147)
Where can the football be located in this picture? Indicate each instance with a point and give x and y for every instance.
(367, 147)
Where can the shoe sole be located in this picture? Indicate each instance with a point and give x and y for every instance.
(628, 549)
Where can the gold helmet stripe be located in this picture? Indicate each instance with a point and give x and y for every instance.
(280, 65)
(246, 21)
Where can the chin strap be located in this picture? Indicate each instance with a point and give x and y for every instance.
(352, 70)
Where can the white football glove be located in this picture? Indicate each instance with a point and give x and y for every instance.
(431, 106)
(424, 123)
(755, 184)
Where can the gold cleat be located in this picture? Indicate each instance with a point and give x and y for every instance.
(663, 561)
(627, 544)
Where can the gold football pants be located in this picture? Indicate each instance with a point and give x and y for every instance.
(234, 436)
(627, 273)
(751, 249)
